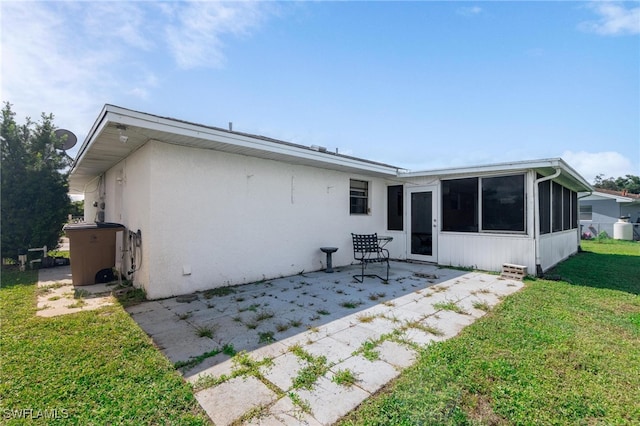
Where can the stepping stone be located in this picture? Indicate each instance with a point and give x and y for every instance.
(330, 401)
(396, 354)
(370, 375)
(228, 401)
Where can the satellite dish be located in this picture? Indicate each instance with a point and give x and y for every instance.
(68, 138)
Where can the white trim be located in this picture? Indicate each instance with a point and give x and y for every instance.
(435, 219)
(117, 115)
(597, 196)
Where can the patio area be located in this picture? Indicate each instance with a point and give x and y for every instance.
(328, 324)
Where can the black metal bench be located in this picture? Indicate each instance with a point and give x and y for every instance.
(367, 250)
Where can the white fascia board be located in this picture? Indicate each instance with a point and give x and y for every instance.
(595, 196)
(488, 168)
(127, 117)
(95, 130)
(552, 163)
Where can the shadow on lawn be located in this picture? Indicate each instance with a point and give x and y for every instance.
(12, 276)
(598, 270)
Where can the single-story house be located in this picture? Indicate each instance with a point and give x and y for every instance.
(206, 207)
(600, 209)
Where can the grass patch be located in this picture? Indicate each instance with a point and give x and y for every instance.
(263, 315)
(449, 306)
(205, 331)
(282, 327)
(351, 304)
(556, 352)
(366, 318)
(344, 377)
(253, 308)
(376, 296)
(427, 328)
(295, 323)
(218, 292)
(368, 350)
(299, 402)
(316, 367)
(132, 297)
(483, 306)
(98, 365)
(80, 293)
(266, 337)
(77, 304)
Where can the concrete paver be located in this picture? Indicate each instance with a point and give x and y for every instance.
(330, 401)
(228, 401)
(284, 369)
(396, 354)
(328, 315)
(370, 375)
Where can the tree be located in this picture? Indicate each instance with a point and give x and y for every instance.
(34, 184)
(629, 183)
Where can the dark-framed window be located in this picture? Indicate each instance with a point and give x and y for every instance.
(359, 196)
(503, 204)
(574, 210)
(556, 207)
(395, 200)
(460, 205)
(544, 206)
(566, 208)
(502, 199)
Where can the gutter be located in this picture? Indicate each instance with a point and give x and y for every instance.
(536, 216)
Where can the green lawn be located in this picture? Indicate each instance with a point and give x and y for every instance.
(86, 368)
(557, 352)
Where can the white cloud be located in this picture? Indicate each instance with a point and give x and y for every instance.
(469, 11)
(196, 37)
(70, 58)
(591, 164)
(615, 19)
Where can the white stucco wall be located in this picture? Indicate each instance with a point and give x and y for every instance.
(220, 219)
(126, 194)
(210, 219)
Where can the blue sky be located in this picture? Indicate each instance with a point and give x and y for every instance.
(419, 85)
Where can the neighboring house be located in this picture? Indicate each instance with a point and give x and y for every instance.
(207, 207)
(602, 208)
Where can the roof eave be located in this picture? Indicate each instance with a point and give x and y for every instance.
(543, 166)
(215, 138)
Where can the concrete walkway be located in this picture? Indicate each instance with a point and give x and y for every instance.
(311, 348)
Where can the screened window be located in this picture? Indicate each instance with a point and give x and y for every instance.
(586, 212)
(359, 197)
(566, 209)
(502, 199)
(574, 210)
(395, 200)
(503, 203)
(460, 205)
(556, 207)
(544, 200)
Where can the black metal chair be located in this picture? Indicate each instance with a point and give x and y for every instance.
(367, 250)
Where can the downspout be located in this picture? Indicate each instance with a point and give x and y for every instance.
(536, 217)
(579, 229)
